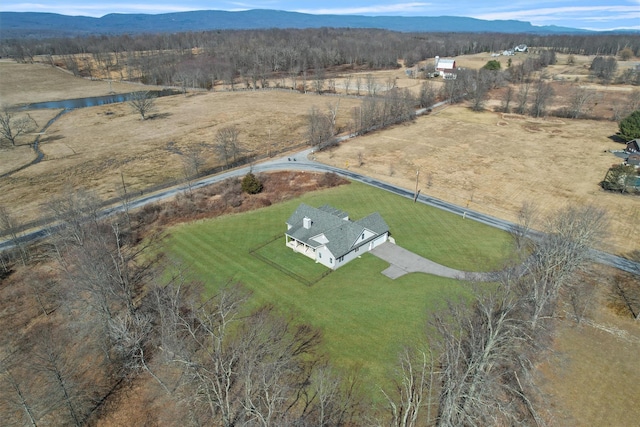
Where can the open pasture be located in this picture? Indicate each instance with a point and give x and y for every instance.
(494, 162)
(97, 147)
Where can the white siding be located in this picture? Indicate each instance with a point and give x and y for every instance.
(361, 250)
(324, 256)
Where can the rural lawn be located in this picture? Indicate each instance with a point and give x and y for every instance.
(365, 317)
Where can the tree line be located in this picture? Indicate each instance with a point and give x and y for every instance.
(198, 59)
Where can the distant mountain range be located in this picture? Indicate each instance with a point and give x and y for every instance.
(39, 25)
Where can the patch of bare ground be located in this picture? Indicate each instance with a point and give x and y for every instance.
(592, 378)
(13, 158)
(493, 163)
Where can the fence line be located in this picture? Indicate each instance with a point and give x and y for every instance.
(254, 252)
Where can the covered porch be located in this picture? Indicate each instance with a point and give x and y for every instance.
(301, 247)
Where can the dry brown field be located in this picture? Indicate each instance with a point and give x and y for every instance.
(493, 163)
(592, 379)
(27, 83)
(92, 147)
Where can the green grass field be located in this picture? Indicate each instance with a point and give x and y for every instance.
(365, 317)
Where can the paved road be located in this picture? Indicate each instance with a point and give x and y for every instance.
(301, 161)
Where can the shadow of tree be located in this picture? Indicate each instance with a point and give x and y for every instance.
(159, 116)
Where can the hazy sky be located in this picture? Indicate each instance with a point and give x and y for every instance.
(588, 14)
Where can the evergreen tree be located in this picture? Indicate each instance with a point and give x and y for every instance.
(630, 126)
(251, 184)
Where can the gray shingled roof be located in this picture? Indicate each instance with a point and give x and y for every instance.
(374, 222)
(341, 233)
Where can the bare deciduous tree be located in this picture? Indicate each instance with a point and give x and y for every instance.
(604, 68)
(330, 399)
(12, 126)
(579, 99)
(417, 382)
(506, 99)
(226, 144)
(523, 97)
(130, 334)
(542, 96)
(372, 85)
(61, 375)
(427, 95)
(9, 227)
(320, 129)
(318, 80)
(15, 396)
(481, 355)
(74, 209)
(193, 159)
(625, 294)
(347, 84)
(476, 87)
(523, 228)
(580, 294)
(557, 256)
(143, 103)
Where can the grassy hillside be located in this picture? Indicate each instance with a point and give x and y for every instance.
(365, 317)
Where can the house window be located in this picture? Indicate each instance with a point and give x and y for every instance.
(319, 254)
(362, 236)
(330, 260)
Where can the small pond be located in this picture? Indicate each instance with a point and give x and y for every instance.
(72, 104)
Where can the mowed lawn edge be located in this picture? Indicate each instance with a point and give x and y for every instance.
(364, 316)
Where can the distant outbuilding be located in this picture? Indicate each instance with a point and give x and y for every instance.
(446, 67)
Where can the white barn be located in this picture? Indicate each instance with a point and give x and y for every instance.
(446, 67)
(328, 236)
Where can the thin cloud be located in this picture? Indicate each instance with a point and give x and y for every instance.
(93, 9)
(557, 13)
(370, 10)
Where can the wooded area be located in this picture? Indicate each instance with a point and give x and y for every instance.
(249, 58)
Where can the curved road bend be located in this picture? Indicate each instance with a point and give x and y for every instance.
(300, 161)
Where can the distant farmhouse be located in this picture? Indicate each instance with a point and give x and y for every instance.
(520, 48)
(446, 67)
(632, 151)
(328, 236)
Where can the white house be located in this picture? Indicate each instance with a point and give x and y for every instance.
(328, 236)
(446, 67)
(520, 48)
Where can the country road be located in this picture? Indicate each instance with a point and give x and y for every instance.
(302, 161)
